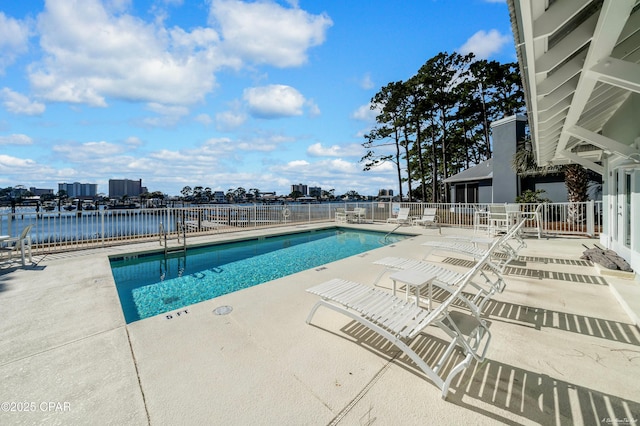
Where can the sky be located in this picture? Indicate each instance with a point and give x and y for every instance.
(216, 93)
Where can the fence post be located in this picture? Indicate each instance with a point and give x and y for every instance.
(101, 213)
(590, 219)
(9, 223)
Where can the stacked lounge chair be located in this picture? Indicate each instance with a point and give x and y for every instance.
(400, 321)
(446, 278)
(510, 244)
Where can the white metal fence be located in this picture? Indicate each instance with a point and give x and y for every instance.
(61, 231)
(554, 218)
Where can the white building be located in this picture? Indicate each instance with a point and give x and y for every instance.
(579, 64)
(79, 190)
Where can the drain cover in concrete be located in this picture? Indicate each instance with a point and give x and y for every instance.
(223, 310)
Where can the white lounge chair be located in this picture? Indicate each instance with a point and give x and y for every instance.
(429, 218)
(480, 219)
(402, 218)
(498, 222)
(399, 321)
(502, 254)
(507, 250)
(340, 215)
(359, 214)
(20, 243)
(533, 218)
(446, 279)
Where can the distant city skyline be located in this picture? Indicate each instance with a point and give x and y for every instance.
(119, 188)
(217, 93)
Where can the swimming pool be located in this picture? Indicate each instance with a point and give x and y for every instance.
(154, 283)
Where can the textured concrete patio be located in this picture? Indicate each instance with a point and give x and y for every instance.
(565, 349)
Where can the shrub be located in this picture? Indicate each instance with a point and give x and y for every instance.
(530, 196)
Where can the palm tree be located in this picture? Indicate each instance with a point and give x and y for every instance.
(352, 195)
(255, 192)
(524, 161)
(576, 179)
(198, 191)
(330, 194)
(186, 192)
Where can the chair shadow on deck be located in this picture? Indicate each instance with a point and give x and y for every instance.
(540, 274)
(539, 318)
(536, 397)
(13, 265)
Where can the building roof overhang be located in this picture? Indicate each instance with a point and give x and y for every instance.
(580, 64)
(479, 172)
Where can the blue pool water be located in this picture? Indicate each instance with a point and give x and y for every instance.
(154, 284)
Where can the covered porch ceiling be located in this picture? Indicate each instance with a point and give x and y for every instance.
(580, 63)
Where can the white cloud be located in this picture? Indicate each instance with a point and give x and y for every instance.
(17, 103)
(265, 32)
(89, 153)
(229, 120)
(484, 44)
(343, 166)
(171, 110)
(334, 173)
(9, 163)
(296, 164)
(15, 139)
(367, 83)
(214, 147)
(323, 168)
(274, 101)
(117, 5)
(133, 141)
(204, 119)
(212, 153)
(95, 51)
(91, 55)
(365, 113)
(160, 122)
(15, 170)
(387, 166)
(14, 40)
(312, 108)
(318, 150)
(255, 144)
(170, 115)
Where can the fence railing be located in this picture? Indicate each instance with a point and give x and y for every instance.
(554, 218)
(62, 231)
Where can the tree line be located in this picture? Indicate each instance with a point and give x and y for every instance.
(200, 194)
(437, 123)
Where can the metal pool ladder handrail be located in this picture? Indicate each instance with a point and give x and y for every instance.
(383, 239)
(162, 233)
(183, 226)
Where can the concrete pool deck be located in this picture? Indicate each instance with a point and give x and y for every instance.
(564, 349)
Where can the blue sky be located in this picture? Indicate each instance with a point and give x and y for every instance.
(217, 93)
